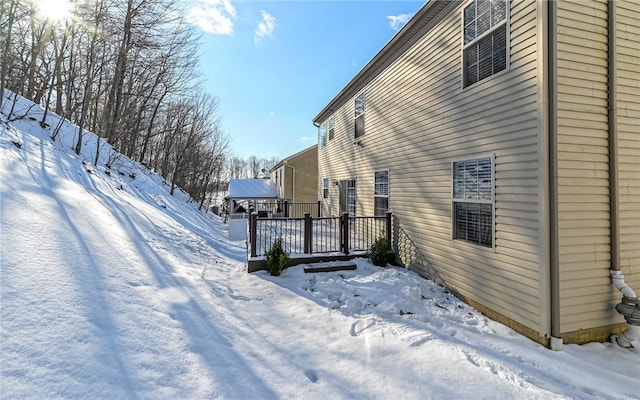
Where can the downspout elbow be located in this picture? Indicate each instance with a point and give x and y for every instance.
(629, 336)
(617, 278)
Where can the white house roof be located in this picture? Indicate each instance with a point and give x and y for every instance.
(251, 189)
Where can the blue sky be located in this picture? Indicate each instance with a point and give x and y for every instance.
(273, 65)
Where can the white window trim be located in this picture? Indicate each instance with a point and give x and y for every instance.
(363, 114)
(463, 46)
(387, 196)
(492, 201)
(331, 126)
(322, 135)
(355, 196)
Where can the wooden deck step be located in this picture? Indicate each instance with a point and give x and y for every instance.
(330, 267)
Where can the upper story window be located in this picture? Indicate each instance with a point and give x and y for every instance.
(473, 200)
(325, 188)
(331, 127)
(359, 116)
(485, 25)
(322, 135)
(381, 193)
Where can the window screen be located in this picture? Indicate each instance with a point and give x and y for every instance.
(473, 201)
(381, 193)
(485, 39)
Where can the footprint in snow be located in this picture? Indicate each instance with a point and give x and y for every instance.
(361, 325)
(311, 374)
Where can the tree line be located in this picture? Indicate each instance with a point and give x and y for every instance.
(126, 70)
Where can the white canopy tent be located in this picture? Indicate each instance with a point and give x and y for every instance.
(251, 189)
(241, 190)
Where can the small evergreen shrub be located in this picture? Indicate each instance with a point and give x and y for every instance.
(379, 252)
(276, 258)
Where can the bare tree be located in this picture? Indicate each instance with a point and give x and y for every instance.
(56, 75)
(126, 71)
(237, 168)
(255, 166)
(271, 162)
(7, 17)
(89, 75)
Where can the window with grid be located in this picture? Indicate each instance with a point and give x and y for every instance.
(381, 193)
(359, 116)
(322, 134)
(473, 200)
(351, 196)
(325, 188)
(331, 127)
(485, 39)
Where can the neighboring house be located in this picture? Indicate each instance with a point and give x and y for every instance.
(484, 127)
(296, 177)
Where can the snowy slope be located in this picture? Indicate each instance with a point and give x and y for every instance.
(111, 288)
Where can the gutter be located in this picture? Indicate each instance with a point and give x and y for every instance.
(629, 307)
(554, 259)
(422, 18)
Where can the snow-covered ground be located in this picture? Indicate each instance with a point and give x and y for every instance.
(112, 288)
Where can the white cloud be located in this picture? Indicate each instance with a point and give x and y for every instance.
(272, 114)
(265, 27)
(397, 21)
(308, 138)
(213, 16)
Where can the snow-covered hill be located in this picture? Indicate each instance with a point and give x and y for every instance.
(112, 288)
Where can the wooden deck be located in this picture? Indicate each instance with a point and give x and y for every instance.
(321, 260)
(330, 267)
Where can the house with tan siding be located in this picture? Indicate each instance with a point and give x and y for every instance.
(505, 138)
(296, 176)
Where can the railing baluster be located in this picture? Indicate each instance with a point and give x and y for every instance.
(345, 234)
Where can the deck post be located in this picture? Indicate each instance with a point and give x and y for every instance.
(389, 239)
(286, 208)
(307, 233)
(319, 208)
(344, 233)
(248, 216)
(253, 222)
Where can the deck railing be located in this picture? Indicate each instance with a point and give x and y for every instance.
(285, 209)
(308, 235)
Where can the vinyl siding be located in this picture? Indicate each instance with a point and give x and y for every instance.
(418, 119)
(587, 297)
(287, 182)
(298, 176)
(305, 180)
(277, 178)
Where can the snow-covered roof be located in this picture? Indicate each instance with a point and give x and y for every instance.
(251, 189)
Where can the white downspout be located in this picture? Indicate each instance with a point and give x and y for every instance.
(629, 307)
(618, 281)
